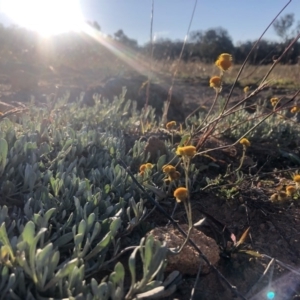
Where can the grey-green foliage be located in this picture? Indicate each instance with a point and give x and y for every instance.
(60, 166)
(283, 130)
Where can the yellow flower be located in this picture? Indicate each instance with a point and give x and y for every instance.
(215, 82)
(168, 169)
(186, 151)
(245, 142)
(296, 178)
(170, 125)
(274, 101)
(171, 172)
(149, 165)
(274, 197)
(246, 89)
(181, 194)
(295, 109)
(290, 190)
(143, 167)
(224, 61)
(225, 56)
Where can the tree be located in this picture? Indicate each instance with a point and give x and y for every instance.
(212, 42)
(94, 24)
(282, 26)
(124, 39)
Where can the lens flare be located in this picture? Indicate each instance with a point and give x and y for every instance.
(48, 17)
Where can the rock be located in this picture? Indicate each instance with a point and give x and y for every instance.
(188, 260)
(137, 91)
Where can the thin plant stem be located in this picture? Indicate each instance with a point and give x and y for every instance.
(164, 117)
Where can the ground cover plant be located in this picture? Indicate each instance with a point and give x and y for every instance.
(84, 188)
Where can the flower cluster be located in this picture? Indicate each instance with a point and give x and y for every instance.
(224, 61)
(215, 82)
(189, 151)
(170, 125)
(171, 172)
(290, 190)
(144, 167)
(274, 101)
(295, 109)
(245, 142)
(246, 89)
(181, 194)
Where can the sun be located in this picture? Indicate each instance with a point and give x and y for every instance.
(48, 17)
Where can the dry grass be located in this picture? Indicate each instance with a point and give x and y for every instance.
(283, 75)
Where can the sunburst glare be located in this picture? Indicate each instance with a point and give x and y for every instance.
(48, 17)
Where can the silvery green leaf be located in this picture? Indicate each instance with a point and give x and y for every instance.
(54, 259)
(49, 214)
(103, 291)
(119, 272)
(32, 252)
(131, 265)
(78, 239)
(9, 285)
(100, 246)
(62, 272)
(63, 240)
(173, 278)
(115, 225)
(94, 286)
(28, 232)
(44, 276)
(90, 221)
(96, 230)
(3, 154)
(3, 213)
(4, 277)
(200, 223)
(156, 292)
(147, 259)
(82, 227)
(74, 278)
(161, 162)
(43, 256)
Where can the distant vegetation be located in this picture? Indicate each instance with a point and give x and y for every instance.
(23, 46)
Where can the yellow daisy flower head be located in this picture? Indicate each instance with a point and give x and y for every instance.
(290, 190)
(295, 109)
(186, 151)
(296, 178)
(170, 125)
(223, 65)
(215, 82)
(149, 166)
(143, 167)
(245, 142)
(168, 169)
(181, 194)
(225, 56)
(274, 101)
(246, 89)
(224, 61)
(274, 197)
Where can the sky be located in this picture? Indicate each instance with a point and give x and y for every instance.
(243, 19)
